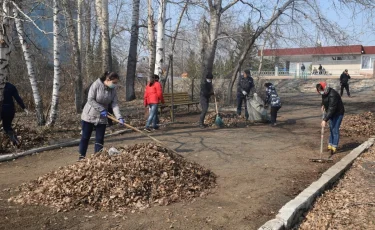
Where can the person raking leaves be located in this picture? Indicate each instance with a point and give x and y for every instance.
(8, 111)
(334, 111)
(207, 91)
(102, 93)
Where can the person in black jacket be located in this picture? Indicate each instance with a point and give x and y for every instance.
(334, 113)
(8, 110)
(245, 84)
(344, 82)
(206, 91)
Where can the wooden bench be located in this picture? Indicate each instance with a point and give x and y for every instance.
(180, 98)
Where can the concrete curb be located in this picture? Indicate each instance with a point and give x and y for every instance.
(12, 156)
(291, 212)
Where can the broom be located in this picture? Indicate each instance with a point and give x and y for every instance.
(218, 121)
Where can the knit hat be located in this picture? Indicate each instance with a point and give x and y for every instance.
(209, 75)
(321, 86)
(247, 71)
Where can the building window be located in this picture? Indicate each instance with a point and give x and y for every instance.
(367, 62)
(343, 58)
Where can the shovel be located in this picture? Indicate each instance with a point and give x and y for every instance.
(110, 116)
(218, 121)
(321, 160)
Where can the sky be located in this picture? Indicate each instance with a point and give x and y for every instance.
(359, 26)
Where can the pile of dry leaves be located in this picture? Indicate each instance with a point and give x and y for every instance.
(136, 178)
(358, 125)
(349, 205)
(230, 120)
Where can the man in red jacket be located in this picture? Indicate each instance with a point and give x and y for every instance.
(153, 95)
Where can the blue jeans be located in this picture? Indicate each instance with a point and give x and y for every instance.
(334, 128)
(153, 116)
(241, 98)
(86, 134)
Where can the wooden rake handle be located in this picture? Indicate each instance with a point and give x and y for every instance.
(113, 118)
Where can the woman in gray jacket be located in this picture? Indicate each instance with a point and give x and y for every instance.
(102, 93)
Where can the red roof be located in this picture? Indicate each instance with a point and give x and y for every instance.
(328, 50)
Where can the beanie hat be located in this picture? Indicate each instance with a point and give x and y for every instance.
(322, 86)
(247, 72)
(209, 75)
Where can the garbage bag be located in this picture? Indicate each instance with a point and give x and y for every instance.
(256, 110)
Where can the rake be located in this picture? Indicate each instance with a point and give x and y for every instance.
(321, 160)
(113, 118)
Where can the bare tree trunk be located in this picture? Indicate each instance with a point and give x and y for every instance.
(174, 38)
(160, 39)
(76, 55)
(132, 58)
(257, 33)
(102, 17)
(208, 48)
(151, 39)
(30, 70)
(5, 50)
(80, 25)
(56, 64)
(89, 51)
(211, 44)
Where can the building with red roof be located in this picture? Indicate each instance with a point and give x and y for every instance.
(334, 60)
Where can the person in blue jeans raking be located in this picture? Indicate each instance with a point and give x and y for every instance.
(334, 113)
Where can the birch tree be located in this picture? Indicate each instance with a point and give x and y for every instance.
(151, 39)
(5, 44)
(102, 17)
(56, 64)
(132, 58)
(30, 69)
(160, 55)
(76, 55)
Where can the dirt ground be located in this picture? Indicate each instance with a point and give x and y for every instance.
(259, 169)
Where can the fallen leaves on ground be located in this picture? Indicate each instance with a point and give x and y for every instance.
(358, 125)
(351, 203)
(230, 120)
(138, 177)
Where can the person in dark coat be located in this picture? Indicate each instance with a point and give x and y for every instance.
(272, 99)
(303, 68)
(8, 110)
(245, 84)
(207, 91)
(320, 69)
(344, 82)
(156, 78)
(334, 113)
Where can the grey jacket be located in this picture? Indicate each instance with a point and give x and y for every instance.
(100, 96)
